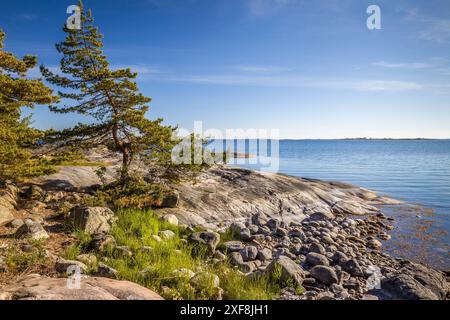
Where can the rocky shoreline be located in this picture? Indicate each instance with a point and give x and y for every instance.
(332, 258)
(325, 237)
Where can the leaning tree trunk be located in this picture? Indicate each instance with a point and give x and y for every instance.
(124, 149)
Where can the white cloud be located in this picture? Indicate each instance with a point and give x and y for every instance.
(405, 65)
(28, 16)
(296, 81)
(438, 30)
(387, 86)
(261, 69)
(433, 28)
(265, 7)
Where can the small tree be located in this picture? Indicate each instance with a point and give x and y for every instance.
(17, 138)
(110, 97)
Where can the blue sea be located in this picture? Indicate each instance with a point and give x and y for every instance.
(415, 171)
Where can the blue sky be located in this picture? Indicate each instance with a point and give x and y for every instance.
(309, 68)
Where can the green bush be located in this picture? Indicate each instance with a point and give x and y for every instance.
(133, 192)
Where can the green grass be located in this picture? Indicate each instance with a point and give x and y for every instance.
(154, 269)
(230, 235)
(19, 261)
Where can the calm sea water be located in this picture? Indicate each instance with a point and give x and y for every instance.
(416, 171)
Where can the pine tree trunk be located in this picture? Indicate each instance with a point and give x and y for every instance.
(125, 163)
(124, 150)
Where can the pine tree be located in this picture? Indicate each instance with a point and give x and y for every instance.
(17, 138)
(110, 97)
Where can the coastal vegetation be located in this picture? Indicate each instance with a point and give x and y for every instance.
(167, 265)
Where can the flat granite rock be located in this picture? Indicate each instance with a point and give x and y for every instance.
(36, 287)
(225, 193)
(8, 198)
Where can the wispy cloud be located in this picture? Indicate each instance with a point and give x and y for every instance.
(261, 69)
(28, 16)
(433, 28)
(266, 7)
(295, 81)
(403, 65)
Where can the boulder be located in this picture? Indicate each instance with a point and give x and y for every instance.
(170, 218)
(245, 234)
(208, 238)
(36, 287)
(167, 234)
(324, 274)
(297, 233)
(253, 228)
(171, 200)
(31, 229)
(219, 256)
(259, 219)
(69, 266)
(101, 242)
(352, 267)
(205, 280)
(182, 273)
(264, 254)
(8, 202)
(339, 257)
(156, 238)
(14, 224)
(281, 232)
(104, 270)
(415, 282)
(249, 253)
(247, 267)
(314, 259)
(236, 227)
(92, 220)
(233, 246)
(374, 244)
(317, 248)
(273, 224)
(88, 259)
(289, 270)
(6, 214)
(236, 258)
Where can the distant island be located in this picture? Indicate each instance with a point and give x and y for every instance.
(364, 138)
